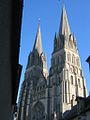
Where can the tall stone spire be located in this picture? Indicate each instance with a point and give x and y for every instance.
(64, 24)
(38, 41)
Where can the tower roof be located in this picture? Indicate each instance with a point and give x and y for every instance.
(38, 41)
(64, 24)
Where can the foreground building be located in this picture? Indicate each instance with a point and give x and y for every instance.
(10, 69)
(81, 111)
(48, 96)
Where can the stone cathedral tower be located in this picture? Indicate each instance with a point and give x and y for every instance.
(33, 99)
(46, 96)
(66, 80)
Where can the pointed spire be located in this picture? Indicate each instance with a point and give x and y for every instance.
(55, 42)
(55, 38)
(38, 41)
(74, 39)
(64, 24)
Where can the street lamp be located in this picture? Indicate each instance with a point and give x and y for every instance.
(88, 61)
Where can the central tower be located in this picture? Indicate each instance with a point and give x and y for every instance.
(66, 80)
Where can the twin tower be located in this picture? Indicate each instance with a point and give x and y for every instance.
(48, 95)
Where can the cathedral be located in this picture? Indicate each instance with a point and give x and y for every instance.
(48, 95)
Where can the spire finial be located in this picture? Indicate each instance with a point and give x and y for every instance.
(38, 21)
(62, 3)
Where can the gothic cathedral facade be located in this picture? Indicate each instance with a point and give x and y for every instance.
(48, 95)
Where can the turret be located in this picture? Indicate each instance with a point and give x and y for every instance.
(55, 43)
(37, 57)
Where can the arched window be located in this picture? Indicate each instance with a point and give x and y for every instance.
(71, 69)
(65, 92)
(65, 88)
(77, 61)
(75, 81)
(69, 91)
(73, 59)
(69, 57)
(71, 79)
(79, 83)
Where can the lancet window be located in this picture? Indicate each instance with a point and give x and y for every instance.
(79, 83)
(71, 79)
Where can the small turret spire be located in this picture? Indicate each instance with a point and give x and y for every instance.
(55, 42)
(38, 40)
(64, 24)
